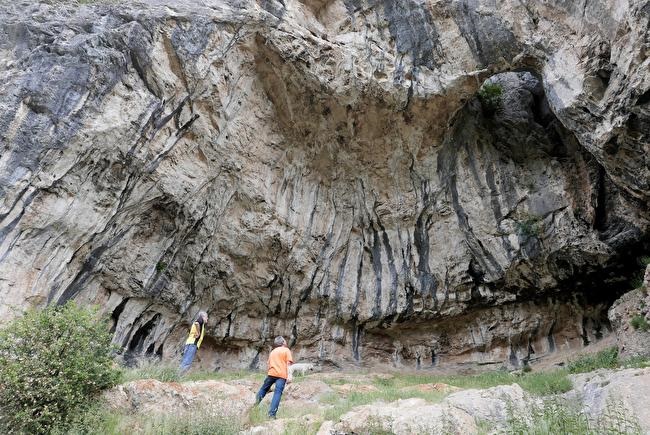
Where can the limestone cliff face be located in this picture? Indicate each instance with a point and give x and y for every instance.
(323, 170)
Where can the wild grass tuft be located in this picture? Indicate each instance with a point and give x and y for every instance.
(339, 404)
(169, 373)
(558, 416)
(607, 358)
(151, 370)
(639, 323)
(100, 421)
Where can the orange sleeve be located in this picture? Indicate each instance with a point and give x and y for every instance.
(289, 357)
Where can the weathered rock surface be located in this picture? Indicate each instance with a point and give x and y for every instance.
(150, 397)
(322, 170)
(619, 395)
(633, 339)
(459, 413)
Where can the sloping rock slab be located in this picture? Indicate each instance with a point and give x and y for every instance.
(607, 392)
(150, 396)
(459, 413)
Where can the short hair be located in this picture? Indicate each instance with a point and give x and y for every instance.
(279, 341)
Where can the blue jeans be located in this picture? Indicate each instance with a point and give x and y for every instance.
(277, 395)
(188, 357)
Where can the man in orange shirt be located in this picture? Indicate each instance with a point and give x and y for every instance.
(279, 361)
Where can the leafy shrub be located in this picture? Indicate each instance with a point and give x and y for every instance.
(52, 362)
(490, 96)
(640, 323)
(607, 358)
(529, 226)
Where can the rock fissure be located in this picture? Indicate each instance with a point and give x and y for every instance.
(325, 171)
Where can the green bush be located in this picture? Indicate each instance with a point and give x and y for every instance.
(490, 96)
(607, 359)
(52, 362)
(530, 226)
(639, 323)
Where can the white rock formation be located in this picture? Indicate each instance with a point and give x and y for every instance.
(321, 169)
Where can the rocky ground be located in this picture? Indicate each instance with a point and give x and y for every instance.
(394, 403)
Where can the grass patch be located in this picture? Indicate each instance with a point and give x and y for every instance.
(302, 427)
(100, 421)
(160, 372)
(639, 323)
(193, 425)
(557, 416)
(205, 375)
(259, 414)
(169, 373)
(607, 359)
(538, 383)
(636, 362)
(340, 404)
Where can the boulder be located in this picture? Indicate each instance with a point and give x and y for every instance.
(149, 396)
(619, 395)
(460, 413)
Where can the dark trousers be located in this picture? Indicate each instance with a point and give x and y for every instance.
(277, 395)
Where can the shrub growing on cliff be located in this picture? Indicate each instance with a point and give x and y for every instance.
(530, 226)
(52, 362)
(490, 96)
(639, 323)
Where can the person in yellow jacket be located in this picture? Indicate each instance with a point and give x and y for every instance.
(194, 340)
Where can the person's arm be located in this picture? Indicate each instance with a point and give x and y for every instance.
(289, 371)
(289, 359)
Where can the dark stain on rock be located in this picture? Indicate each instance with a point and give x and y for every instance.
(87, 270)
(487, 35)
(277, 8)
(412, 26)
